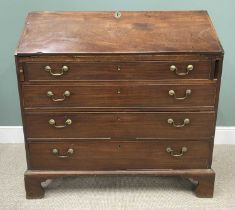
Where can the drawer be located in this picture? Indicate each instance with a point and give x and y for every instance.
(145, 70)
(120, 96)
(119, 155)
(111, 125)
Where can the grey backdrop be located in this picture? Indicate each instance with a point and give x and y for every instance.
(12, 17)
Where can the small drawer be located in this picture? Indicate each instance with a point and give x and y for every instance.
(108, 71)
(120, 95)
(111, 125)
(120, 155)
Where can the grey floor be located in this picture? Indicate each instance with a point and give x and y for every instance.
(114, 193)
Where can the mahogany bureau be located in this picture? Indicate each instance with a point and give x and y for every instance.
(119, 93)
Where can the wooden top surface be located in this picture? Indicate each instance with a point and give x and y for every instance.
(133, 32)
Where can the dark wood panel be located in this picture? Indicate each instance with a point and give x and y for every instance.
(35, 71)
(119, 155)
(119, 96)
(126, 125)
(204, 186)
(115, 58)
(133, 32)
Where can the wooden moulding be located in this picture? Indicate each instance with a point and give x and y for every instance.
(204, 177)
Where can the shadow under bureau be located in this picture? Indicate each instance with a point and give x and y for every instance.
(125, 93)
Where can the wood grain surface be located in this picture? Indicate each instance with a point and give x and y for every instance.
(105, 155)
(120, 125)
(133, 32)
(113, 71)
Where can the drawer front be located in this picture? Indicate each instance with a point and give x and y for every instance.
(119, 96)
(57, 71)
(119, 155)
(137, 125)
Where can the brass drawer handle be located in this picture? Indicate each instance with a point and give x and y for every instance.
(63, 69)
(51, 95)
(53, 122)
(56, 153)
(171, 122)
(188, 92)
(117, 14)
(173, 154)
(175, 69)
